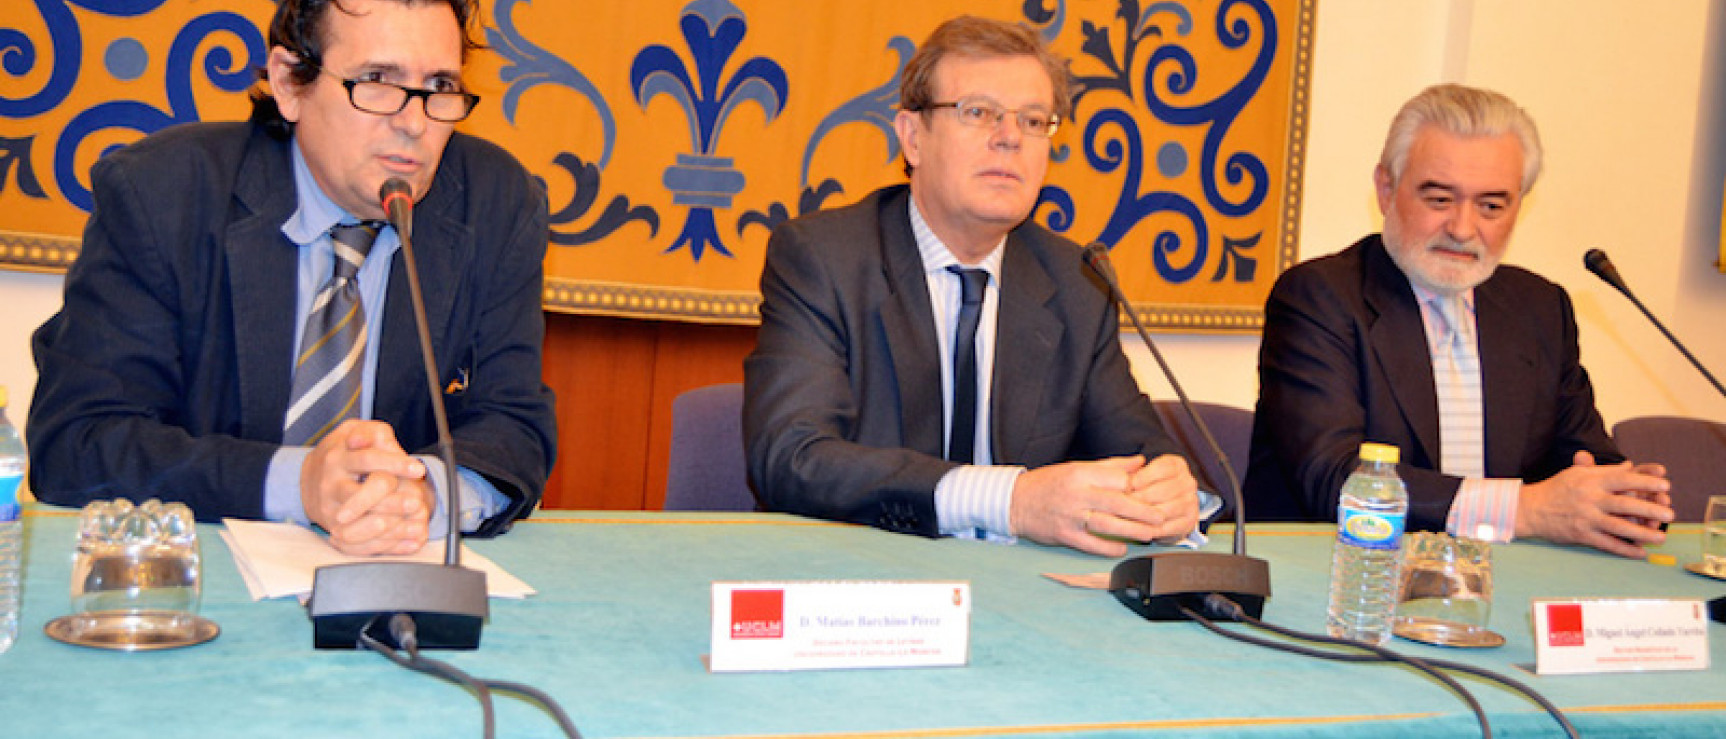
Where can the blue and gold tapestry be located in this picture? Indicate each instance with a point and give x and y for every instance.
(673, 135)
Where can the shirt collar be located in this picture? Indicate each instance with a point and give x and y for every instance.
(936, 255)
(315, 212)
(1425, 296)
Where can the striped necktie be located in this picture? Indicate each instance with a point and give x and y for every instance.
(961, 441)
(326, 387)
(1456, 378)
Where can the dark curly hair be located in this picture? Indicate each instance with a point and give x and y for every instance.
(299, 27)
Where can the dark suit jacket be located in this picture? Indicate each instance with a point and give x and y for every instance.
(167, 371)
(1345, 360)
(843, 407)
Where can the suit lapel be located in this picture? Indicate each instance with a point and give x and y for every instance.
(261, 265)
(908, 329)
(1506, 370)
(1027, 335)
(1398, 340)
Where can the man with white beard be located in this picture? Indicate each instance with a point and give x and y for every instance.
(1420, 339)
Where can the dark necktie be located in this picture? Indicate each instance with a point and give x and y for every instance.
(326, 388)
(961, 440)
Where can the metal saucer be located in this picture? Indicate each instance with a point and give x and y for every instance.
(1702, 568)
(1446, 633)
(132, 631)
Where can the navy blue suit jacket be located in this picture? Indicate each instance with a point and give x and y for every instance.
(1345, 360)
(843, 407)
(167, 371)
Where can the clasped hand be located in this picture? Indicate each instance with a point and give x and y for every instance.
(1616, 508)
(1098, 506)
(359, 485)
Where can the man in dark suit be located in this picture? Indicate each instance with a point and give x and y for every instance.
(850, 406)
(169, 370)
(1420, 339)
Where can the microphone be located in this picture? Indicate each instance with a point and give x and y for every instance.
(1597, 262)
(1159, 586)
(448, 601)
(398, 201)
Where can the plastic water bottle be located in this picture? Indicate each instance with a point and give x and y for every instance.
(1366, 563)
(11, 529)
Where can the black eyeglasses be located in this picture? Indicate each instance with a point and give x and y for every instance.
(386, 98)
(974, 110)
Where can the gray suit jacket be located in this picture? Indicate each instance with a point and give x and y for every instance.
(167, 371)
(843, 407)
(1345, 360)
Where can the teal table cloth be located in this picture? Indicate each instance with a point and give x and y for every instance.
(619, 628)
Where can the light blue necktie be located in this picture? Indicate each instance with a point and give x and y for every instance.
(326, 388)
(1456, 378)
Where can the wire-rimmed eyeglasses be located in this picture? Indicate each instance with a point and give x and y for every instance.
(975, 110)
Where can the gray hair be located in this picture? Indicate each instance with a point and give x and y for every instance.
(1463, 111)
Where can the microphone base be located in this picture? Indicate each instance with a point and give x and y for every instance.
(447, 603)
(1156, 586)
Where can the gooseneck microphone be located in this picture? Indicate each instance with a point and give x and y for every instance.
(398, 202)
(1597, 262)
(447, 602)
(1161, 586)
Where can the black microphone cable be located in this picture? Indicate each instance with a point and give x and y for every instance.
(1379, 654)
(1221, 607)
(403, 630)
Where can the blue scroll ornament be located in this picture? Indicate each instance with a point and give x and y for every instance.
(1216, 116)
(220, 67)
(876, 108)
(529, 66)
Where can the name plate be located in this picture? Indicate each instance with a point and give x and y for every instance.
(829, 625)
(1606, 635)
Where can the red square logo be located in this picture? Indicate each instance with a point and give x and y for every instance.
(1564, 624)
(757, 614)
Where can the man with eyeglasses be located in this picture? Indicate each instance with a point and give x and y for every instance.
(930, 362)
(237, 333)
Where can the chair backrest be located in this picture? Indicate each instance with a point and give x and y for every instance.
(1693, 450)
(1233, 429)
(707, 470)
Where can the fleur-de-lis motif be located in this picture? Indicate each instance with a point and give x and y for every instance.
(701, 180)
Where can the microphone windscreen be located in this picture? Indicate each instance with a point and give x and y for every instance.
(1097, 256)
(395, 187)
(1597, 262)
(397, 198)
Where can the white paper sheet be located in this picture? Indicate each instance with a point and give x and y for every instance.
(277, 560)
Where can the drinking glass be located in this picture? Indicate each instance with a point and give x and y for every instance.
(1446, 595)
(135, 578)
(1714, 537)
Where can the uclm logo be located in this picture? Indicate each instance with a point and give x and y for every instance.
(1564, 624)
(757, 614)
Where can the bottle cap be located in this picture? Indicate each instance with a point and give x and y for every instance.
(1373, 452)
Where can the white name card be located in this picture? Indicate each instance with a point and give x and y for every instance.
(1605, 635)
(828, 625)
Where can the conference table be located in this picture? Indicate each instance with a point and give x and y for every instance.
(621, 622)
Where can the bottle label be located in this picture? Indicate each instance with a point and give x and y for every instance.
(1369, 529)
(9, 496)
